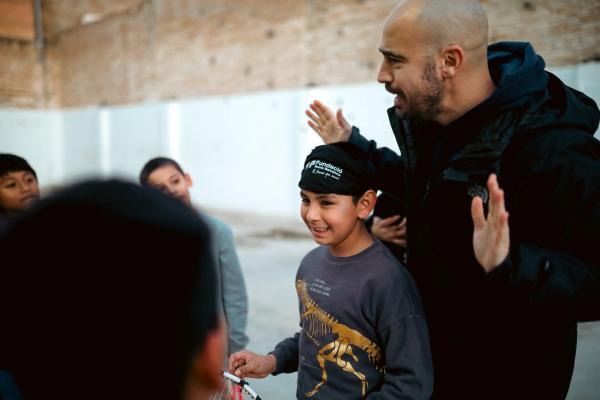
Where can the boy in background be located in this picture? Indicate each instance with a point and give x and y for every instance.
(363, 331)
(18, 185)
(166, 175)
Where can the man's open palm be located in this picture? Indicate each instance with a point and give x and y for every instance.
(332, 128)
(491, 240)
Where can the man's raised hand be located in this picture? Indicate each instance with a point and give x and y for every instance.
(330, 127)
(491, 241)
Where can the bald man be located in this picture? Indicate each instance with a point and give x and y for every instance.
(469, 119)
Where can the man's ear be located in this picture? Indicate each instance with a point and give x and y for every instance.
(366, 204)
(453, 57)
(188, 179)
(207, 365)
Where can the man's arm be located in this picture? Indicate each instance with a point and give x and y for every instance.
(558, 269)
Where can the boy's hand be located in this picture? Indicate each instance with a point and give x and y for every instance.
(389, 230)
(246, 364)
(491, 240)
(330, 127)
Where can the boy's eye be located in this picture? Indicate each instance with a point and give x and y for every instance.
(305, 200)
(326, 202)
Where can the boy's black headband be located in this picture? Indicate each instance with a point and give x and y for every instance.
(339, 168)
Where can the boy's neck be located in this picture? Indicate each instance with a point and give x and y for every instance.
(356, 242)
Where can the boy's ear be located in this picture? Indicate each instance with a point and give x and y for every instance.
(366, 204)
(188, 179)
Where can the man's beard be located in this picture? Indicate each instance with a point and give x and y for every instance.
(426, 105)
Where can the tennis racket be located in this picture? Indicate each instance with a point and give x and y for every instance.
(234, 388)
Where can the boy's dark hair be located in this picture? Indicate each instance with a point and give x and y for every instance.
(155, 164)
(114, 302)
(12, 163)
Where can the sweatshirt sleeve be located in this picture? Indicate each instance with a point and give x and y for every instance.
(235, 299)
(402, 330)
(286, 354)
(409, 370)
(554, 260)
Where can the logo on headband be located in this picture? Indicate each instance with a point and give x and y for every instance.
(324, 168)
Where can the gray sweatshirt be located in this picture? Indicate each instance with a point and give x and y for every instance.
(363, 331)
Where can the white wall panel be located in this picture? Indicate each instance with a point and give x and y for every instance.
(244, 152)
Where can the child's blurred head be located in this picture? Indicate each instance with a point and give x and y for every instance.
(338, 193)
(166, 175)
(107, 290)
(18, 184)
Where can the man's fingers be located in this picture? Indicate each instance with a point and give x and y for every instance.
(492, 186)
(399, 242)
(492, 182)
(313, 117)
(322, 109)
(390, 220)
(342, 121)
(401, 231)
(477, 213)
(502, 225)
(314, 127)
(498, 205)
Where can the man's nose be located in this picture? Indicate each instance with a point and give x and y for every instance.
(384, 75)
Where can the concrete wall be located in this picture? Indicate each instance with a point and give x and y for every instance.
(244, 152)
(38, 136)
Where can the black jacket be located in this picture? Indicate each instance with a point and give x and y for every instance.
(511, 334)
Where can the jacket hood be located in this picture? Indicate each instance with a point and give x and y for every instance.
(521, 81)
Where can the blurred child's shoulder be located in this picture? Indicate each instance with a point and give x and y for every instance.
(217, 226)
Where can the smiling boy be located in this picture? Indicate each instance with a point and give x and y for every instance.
(363, 333)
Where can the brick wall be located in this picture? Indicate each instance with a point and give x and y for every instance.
(164, 49)
(564, 32)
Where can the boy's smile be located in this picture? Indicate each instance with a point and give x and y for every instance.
(335, 220)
